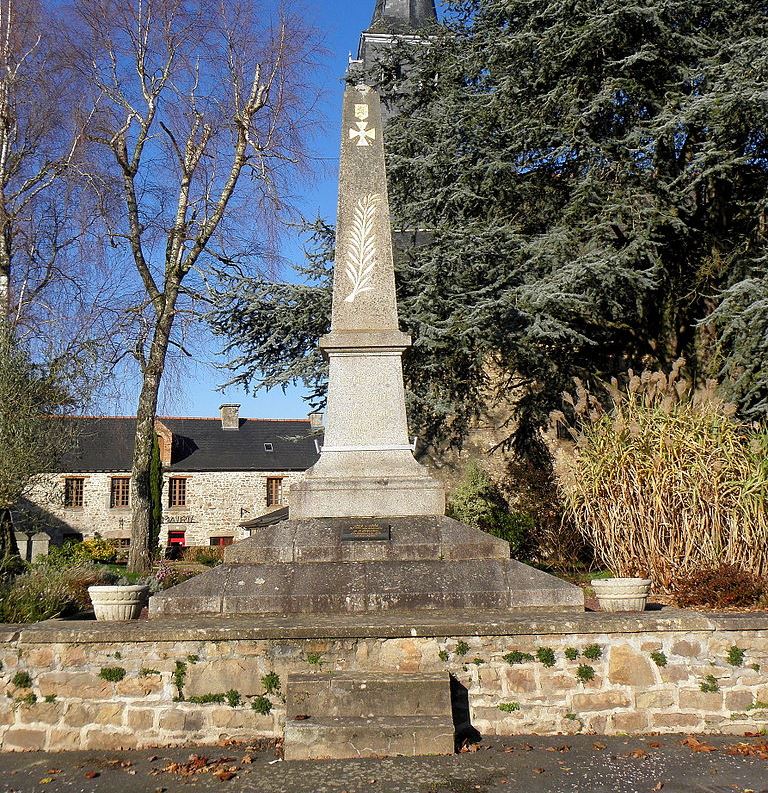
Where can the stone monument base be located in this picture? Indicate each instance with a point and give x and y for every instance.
(356, 565)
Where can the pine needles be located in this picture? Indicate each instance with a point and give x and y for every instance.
(667, 481)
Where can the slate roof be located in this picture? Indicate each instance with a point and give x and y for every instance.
(105, 443)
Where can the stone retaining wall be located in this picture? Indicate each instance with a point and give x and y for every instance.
(632, 674)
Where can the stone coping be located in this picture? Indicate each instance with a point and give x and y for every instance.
(383, 625)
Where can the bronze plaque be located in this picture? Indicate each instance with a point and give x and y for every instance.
(366, 532)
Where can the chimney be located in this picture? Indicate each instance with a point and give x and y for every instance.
(230, 416)
(316, 421)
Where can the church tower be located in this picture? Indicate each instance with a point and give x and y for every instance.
(393, 20)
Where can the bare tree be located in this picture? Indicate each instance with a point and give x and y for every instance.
(54, 297)
(198, 113)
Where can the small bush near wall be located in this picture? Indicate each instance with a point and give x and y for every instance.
(42, 592)
(666, 481)
(719, 587)
(477, 501)
(204, 554)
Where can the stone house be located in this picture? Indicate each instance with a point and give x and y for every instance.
(218, 473)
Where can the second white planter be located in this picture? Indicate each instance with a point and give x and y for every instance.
(622, 594)
(118, 603)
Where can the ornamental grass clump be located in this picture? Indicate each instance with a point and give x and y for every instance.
(666, 481)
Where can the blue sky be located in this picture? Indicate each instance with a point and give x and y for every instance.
(340, 23)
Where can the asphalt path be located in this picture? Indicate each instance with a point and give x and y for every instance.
(562, 764)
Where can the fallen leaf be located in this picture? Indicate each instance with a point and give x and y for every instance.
(225, 776)
(655, 745)
(526, 747)
(638, 754)
(91, 774)
(46, 780)
(598, 746)
(300, 717)
(695, 745)
(658, 786)
(53, 771)
(538, 770)
(246, 759)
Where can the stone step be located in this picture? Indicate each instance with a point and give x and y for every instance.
(366, 695)
(337, 738)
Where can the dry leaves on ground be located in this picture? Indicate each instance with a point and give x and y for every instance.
(749, 750)
(221, 767)
(695, 745)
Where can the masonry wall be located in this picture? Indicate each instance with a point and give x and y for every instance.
(631, 690)
(217, 502)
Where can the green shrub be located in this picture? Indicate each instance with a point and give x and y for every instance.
(261, 705)
(709, 685)
(34, 596)
(546, 655)
(314, 658)
(593, 652)
(615, 479)
(231, 697)
(28, 699)
(443, 655)
(50, 698)
(585, 673)
(478, 502)
(144, 672)
(179, 677)
(736, 656)
(659, 658)
(516, 657)
(462, 648)
(205, 699)
(571, 653)
(271, 683)
(22, 680)
(114, 674)
(46, 591)
(97, 549)
(509, 707)
(208, 555)
(718, 587)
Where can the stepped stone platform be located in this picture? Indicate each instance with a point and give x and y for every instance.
(353, 565)
(347, 715)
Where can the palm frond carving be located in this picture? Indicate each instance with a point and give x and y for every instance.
(361, 252)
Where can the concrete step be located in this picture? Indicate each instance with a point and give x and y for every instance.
(336, 738)
(358, 695)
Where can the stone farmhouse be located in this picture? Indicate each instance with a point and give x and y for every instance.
(220, 477)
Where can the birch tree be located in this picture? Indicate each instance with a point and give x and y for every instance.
(198, 113)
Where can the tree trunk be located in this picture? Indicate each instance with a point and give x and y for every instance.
(140, 555)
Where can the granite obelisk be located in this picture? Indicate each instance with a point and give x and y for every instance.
(366, 467)
(367, 530)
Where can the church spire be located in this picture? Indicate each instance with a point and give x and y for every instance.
(404, 13)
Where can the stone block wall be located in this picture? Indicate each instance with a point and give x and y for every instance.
(90, 685)
(217, 501)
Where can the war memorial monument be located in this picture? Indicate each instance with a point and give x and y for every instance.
(367, 529)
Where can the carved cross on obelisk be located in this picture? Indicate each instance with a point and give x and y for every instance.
(367, 466)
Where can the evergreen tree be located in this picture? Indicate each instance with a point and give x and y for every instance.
(30, 439)
(593, 178)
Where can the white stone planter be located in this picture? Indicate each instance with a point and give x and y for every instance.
(622, 594)
(118, 603)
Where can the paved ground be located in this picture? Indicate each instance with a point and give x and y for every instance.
(580, 764)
